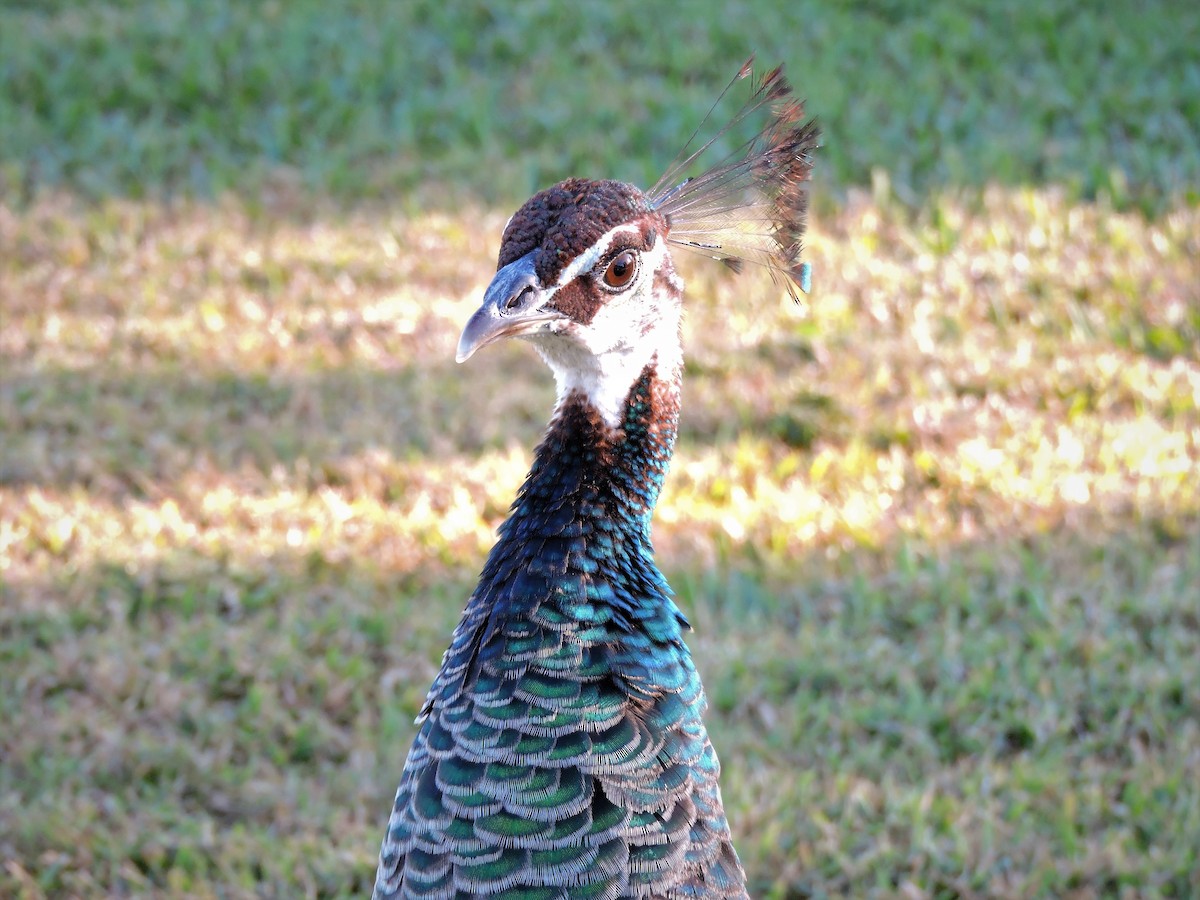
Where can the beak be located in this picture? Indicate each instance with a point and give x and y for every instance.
(513, 305)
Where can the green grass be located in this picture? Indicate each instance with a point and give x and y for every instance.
(939, 533)
(391, 100)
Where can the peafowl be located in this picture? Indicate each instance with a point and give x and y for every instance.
(562, 751)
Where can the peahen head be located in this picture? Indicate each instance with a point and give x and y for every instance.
(585, 273)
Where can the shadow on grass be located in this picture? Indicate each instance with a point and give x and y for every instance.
(69, 426)
(112, 431)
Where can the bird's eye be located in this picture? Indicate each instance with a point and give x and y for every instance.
(621, 270)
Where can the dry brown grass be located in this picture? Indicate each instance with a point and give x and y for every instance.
(938, 532)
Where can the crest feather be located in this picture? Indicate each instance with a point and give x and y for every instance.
(751, 205)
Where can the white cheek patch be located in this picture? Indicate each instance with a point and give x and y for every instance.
(604, 359)
(621, 321)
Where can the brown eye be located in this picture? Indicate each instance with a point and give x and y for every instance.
(621, 270)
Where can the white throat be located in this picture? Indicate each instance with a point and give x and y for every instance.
(605, 380)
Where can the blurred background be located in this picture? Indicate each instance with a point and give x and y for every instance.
(938, 530)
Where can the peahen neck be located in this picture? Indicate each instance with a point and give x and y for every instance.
(585, 468)
(578, 540)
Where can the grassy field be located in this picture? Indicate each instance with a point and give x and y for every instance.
(939, 532)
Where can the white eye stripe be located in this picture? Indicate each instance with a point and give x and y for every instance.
(593, 254)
